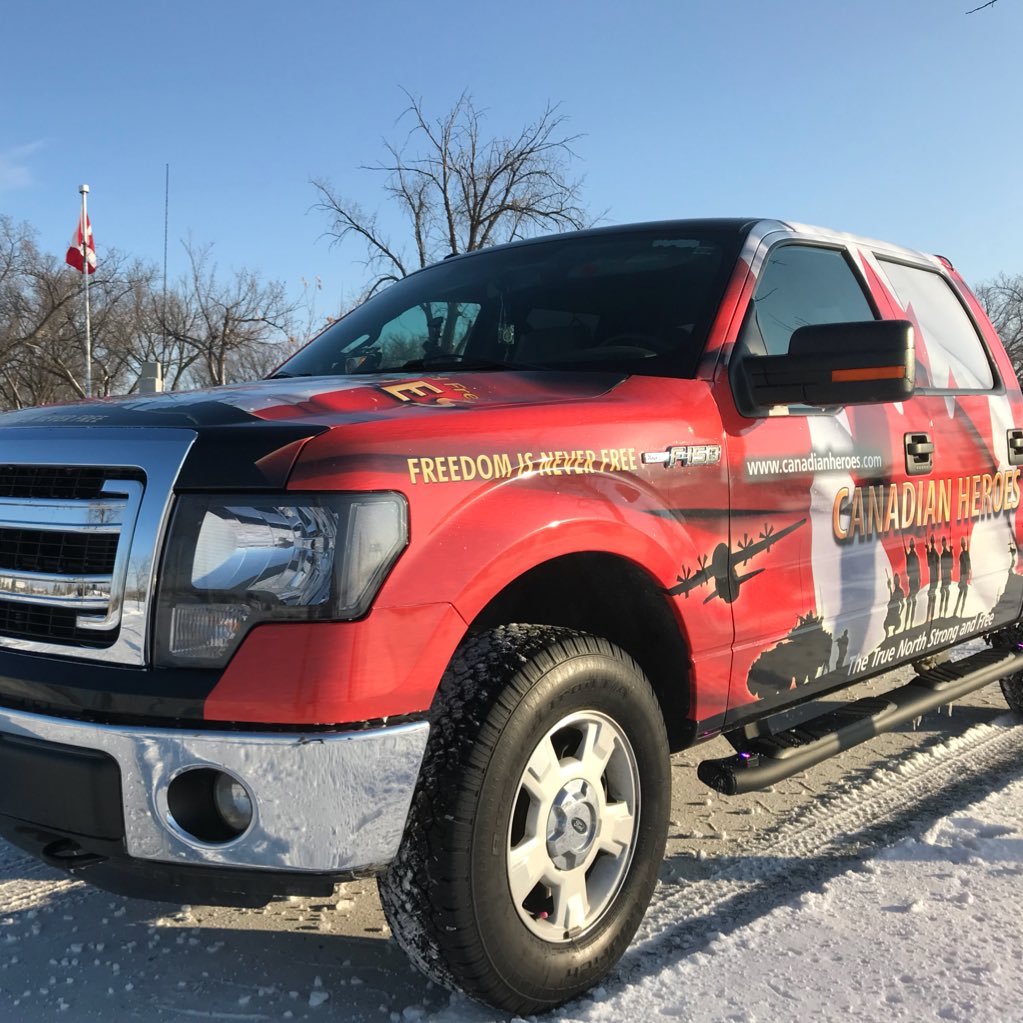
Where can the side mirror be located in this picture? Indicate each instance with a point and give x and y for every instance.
(836, 364)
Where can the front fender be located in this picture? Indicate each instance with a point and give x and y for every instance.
(479, 547)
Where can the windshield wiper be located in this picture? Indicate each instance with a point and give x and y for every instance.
(441, 361)
(449, 360)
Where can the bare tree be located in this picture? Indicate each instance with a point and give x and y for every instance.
(123, 324)
(459, 189)
(224, 329)
(1002, 299)
(42, 329)
(34, 299)
(36, 321)
(211, 329)
(150, 342)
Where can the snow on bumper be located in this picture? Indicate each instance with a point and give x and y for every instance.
(323, 802)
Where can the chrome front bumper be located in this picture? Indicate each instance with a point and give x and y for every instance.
(324, 802)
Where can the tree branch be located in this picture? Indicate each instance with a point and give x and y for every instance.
(458, 190)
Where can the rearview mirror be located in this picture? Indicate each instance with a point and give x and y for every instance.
(836, 364)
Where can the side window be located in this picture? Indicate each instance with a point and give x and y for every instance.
(801, 285)
(949, 352)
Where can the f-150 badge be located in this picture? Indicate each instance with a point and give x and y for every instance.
(684, 454)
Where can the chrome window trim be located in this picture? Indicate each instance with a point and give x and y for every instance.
(159, 453)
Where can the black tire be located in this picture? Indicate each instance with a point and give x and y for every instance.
(508, 698)
(1012, 685)
(1012, 690)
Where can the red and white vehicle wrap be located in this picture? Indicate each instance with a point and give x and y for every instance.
(555, 435)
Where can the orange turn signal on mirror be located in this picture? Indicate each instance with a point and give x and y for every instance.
(868, 373)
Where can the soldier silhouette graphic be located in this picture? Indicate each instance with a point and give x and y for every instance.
(893, 619)
(965, 570)
(843, 645)
(912, 582)
(933, 575)
(946, 576)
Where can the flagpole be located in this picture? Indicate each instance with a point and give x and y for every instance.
(84, 189)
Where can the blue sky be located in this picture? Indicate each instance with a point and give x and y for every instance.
(892, 118)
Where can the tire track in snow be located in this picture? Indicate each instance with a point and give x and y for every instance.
(25, 882)
(28, 892)
(826, 838)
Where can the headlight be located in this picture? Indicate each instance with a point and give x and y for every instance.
(234, 560)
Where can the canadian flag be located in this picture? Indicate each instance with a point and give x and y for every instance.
(82, 238)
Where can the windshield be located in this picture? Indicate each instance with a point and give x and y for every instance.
(639, 301)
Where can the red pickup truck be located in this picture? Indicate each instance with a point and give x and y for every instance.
(439, 598)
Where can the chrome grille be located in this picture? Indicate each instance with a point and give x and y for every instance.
(50, 624)
(77, 482)
(62, 559)
(83, 511)
(42, 550)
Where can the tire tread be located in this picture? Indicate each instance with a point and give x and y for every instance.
(423, 898)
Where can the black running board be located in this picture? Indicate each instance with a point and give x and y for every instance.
(766, 759)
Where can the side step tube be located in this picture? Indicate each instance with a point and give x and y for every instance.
(766, 759)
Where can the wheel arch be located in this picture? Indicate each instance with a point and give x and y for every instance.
(609, 596)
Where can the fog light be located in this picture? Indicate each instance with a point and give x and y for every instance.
(209, 806)
(233, 802)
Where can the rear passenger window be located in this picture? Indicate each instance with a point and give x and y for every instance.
(949, 352)
(801, 285)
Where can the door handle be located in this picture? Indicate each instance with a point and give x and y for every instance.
(919, 453)
(1014, 439)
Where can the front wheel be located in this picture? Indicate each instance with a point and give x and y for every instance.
(1012, 690)
(538, 824)
(1010, 638)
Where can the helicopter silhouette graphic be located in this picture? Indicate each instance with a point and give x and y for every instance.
(721, 567)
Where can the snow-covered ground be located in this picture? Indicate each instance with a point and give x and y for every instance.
(820, 917)
(928, 929)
